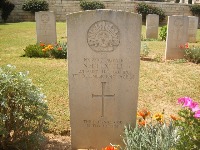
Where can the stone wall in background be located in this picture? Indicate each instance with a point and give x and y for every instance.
(63, 7)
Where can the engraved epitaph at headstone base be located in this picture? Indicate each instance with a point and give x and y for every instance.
(177, 36)
(103, 70)
(46, 27)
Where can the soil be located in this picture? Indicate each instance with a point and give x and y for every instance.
(57, 142)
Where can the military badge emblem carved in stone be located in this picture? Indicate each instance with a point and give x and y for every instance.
(103, 36)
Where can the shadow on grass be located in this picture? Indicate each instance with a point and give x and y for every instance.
(151, 59)
(4, 23)
(146, 59)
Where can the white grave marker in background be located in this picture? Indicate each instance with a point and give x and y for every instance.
(192, 29)
(177, 36)
(46, 27)
(152, 23)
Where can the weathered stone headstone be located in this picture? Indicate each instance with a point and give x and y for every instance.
(177, 36)
(103, 65)
(46, 27)
(192, 29)
(152, 23)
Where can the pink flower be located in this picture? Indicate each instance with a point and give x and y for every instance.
(197, 114)
(186, 45)
(186, 101)
(194, 106)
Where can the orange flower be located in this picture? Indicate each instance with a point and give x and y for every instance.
(142, 122)
(46, 48)
(143, 113)
(50, 47)
(43, 49)
(42, 44)
(174, 117)
(109, 148)
(59, 48)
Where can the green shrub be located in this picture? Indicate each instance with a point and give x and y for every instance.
(177, 1)
(34, 51)
(163, 33)
(23, 111)
(6, 7)
(195, 9)
(58, 50)
(144, 51)
(150, 133)
(91, 5)
(189, 1)
(193, 54)
(35, 5)
(154, 137)
(145, 9)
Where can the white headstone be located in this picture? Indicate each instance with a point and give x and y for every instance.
(177, 36)
(103, 65)
(192, 29)
(46, 27)
(152, 23)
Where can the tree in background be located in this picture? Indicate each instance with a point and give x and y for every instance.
(6, 8)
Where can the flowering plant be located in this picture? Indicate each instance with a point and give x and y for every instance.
(192, 53)
(111, 147)
(58, 50)
(188, 124)
(151, 132)
(185, 46)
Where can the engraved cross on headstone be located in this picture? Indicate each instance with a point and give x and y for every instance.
(103, 96)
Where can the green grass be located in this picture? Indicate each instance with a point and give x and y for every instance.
(161, 83)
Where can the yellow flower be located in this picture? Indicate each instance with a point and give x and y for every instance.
(158, 117)
(50, 47)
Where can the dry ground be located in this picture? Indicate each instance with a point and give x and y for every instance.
(57, 142)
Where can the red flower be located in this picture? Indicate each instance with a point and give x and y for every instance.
(42, 44)
(59, 48)
(142, 123)
(186, 45)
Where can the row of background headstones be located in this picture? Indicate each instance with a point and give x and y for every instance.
(181, 29)
(152, 24)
